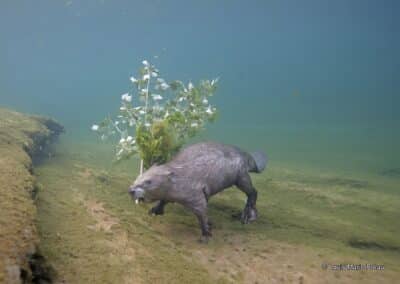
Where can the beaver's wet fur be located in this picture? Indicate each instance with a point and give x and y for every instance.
(195, 174)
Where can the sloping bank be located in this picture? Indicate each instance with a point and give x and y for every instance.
(23, 139)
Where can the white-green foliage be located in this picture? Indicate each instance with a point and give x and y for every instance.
(151, 100)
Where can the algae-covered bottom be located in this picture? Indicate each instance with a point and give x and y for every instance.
(22, 138)
(92, 232)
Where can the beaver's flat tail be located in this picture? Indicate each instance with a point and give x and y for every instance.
(260, 160)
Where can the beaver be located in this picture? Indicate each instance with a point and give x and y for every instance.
(196, 173)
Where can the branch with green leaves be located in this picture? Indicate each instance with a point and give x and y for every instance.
(156, 117)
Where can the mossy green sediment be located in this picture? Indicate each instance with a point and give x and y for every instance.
(21, 138)
(304, 221)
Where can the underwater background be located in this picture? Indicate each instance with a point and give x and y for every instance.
(313, 83)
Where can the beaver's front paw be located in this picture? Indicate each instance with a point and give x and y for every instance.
(156, 210)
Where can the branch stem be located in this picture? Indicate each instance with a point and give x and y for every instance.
(145, 111)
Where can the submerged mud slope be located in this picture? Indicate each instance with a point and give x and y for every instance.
(305, 221)
(22, 138)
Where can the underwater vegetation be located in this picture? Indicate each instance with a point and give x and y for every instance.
(156, 118)
(304, 221)
(91, 232)
(23, 138)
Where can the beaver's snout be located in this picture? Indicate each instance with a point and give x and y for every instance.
(137, 193)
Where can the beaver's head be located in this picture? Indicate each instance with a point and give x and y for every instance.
(151, 185)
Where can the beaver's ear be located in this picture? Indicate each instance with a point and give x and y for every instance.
(167, 172)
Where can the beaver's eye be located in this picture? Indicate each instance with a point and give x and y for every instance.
(147, 182)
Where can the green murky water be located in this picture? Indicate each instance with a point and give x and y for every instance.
(313, 84)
